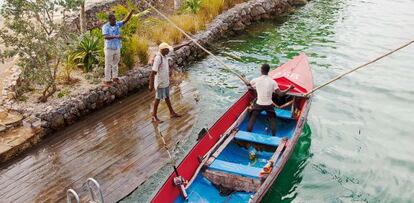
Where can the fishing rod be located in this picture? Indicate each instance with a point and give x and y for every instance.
(357, 68)
(225, 66)
(178, 180)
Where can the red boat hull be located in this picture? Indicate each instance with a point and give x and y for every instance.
(187, 168)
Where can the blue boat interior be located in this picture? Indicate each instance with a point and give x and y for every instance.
(234, 159)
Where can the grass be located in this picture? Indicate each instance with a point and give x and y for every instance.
(210, 9)
(190, 23)
(158, 30)
(142, 49)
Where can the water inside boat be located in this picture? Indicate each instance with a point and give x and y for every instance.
(235, 158)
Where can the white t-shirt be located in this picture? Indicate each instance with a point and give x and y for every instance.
(265, 86)
(161, 66)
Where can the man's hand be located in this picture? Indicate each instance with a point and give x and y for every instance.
(188, 42)
(128, 16)
(249, 86)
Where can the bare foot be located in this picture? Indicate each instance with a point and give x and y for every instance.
(175, 115)
(156, 120)
(108, 84)
(116, 80)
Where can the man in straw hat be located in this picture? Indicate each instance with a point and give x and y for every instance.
(160, 79)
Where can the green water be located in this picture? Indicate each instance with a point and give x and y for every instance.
(357, 146)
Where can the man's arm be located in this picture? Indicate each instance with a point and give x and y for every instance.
(109, 37)
(175, 48)
(126, 19)
(154, 71)
(151, 80)
(281, 93)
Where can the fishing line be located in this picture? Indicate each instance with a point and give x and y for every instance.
(225, 67)
(359, 67)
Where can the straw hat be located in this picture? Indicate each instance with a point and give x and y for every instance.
(164, 46)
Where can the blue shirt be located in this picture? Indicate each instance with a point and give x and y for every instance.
(108, 30)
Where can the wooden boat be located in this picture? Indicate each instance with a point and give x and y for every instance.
(229, 164)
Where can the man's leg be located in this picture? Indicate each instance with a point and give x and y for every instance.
(108, 64)
(116, 59)
(252, 120)
(272, 122)
(173, 114)
(154, 111)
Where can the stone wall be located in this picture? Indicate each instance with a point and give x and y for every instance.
(90, 12)
(233, 21)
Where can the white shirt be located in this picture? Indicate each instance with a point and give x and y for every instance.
(161, 66)
(265, 86)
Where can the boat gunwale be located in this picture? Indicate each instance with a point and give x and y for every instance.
(258, 196)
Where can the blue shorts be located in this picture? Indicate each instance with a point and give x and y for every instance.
(162, 93)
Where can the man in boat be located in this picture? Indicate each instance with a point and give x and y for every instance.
(265, 88)
(112, 34)
(160, 79)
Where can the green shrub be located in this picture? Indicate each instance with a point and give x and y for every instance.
(128, 52)
(70, 63)
(192, 6)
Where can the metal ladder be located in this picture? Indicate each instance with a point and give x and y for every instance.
(91, 184)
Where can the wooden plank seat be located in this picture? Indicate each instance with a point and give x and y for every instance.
(235, 168)
(258, 138)
(281, 113)
(232, 181)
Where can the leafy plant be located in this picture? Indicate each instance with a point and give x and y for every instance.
(192, 6)
(89, 51)
(70, 63)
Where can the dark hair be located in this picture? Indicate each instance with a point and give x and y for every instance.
(265, 69)
(110, 15)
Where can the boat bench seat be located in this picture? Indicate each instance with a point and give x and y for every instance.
(258, 138)
(280, 113)
(235, 168)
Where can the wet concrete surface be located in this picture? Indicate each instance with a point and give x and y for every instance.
(118, 146)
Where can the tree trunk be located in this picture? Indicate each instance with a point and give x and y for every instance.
(82, 17)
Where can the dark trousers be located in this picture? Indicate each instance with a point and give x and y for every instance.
(270, 114)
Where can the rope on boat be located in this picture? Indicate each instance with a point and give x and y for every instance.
(359, 67)
(225, 67)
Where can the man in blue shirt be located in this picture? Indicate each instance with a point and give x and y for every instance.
(112, 34)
